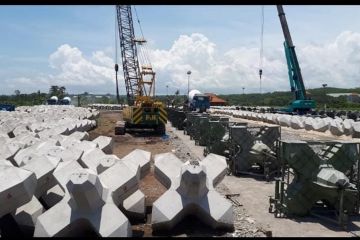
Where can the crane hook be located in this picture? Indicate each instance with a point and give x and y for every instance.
(260, 73)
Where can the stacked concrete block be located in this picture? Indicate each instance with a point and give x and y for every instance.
(104, 143)
(87, 199)
(296, 122)
(43, 168)
(348, 128)
(136, 158)
(27, 214)
(92, 159)
(53, 196)
(123, 180)
(309, 124)
(64, 170)
(356, 128)
(17, 187)
(191, 192)
(337, 127)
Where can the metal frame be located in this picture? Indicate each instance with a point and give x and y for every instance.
(277, 203)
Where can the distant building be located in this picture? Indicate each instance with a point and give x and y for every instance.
(351, 97)
(215, 100)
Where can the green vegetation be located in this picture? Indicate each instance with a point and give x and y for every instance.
(275, 99)
(281, 99)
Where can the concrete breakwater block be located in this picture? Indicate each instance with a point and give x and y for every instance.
(104, 143)
(356, 128)
(27, 214)
(87, 202)
(80, 135)
(191, 192)
(296, 123)
(321, 125)
(284, 120)
(64, 170)
(121, 180)
(348, 128)
(53, 196)
(336, 127)
(97, 160)
(17, 187)
(43, 168)
(136, 158)
(309, 124)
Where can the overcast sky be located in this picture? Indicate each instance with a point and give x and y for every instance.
(74, 46)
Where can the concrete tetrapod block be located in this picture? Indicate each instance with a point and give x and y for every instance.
(321, 125)
(27, 214)
(192, 193)
(216, 167)
(89, 201)
(136, 158)
(134, 205)
(336, 127)
(80, 135)
(121, 180)
(64, 170)
(308, 123)
(296, 122)
(356, 128)
(348, 128)
(53, 196)
(17, 187)
(167, 167)
(105, 143)
(284, 120)
(43, 168)
(92, 158)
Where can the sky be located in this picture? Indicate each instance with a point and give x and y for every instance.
(74, 46)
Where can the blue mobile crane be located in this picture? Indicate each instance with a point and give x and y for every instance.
(301, 103)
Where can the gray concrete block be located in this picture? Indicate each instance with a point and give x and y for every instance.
(348, 128)
(216, 167)
(166, 168)
(336, 127)
(136, 158)
(63, 172)
(321, 125)
(134, 205)
(91, 159)
(43, 168)
(27, 214)
(121, 180)
(191, 193)
(53, 196)
(106, 162)
(308, 123)
(104, 143)
(356, 128)
(296, 122)
(80, 135)
(88, 201)
(17, 187)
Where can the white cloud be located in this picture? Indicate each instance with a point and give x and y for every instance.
(336, 63)
(75, 69)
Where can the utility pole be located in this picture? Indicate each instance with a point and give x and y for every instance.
(188, 73)
(324, 86)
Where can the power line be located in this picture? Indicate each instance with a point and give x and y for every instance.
(261, 45)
